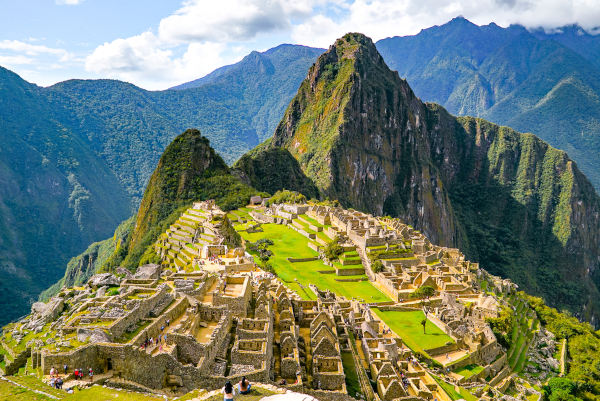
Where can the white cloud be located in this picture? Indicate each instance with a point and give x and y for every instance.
(199, 37)
(382, 18)
(141, 59)
(69, 2)
(33, 50)
(225, 20)
(204, 34)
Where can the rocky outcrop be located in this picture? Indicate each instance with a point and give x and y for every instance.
(103, 279)
(147, 272)
(42, 313)
(512, 202)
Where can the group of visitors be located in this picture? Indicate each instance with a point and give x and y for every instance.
(78, 374)
(243, 387)
(57, 381)
(157, 341)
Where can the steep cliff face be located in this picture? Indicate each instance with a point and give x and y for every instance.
(510, 200)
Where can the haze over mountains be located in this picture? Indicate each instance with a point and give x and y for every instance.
(92, 145)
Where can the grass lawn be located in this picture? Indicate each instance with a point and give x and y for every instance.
(103, 393)
(451, 391)
(290, 243)
(352, 383)
(9, 391)
(469, 370)
(408, 326)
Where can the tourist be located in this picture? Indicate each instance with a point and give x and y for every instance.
(59, 383)
(65, 368)
(76, 374)
(162, 328)
(91, 373)
(52, 371)
(244, 386)
(228, 391)
(80, 374)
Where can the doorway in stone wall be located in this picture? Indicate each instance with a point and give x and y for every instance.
(108, 364)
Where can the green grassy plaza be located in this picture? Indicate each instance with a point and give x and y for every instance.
(408, 326)
(290, 243)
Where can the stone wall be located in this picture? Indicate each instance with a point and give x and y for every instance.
(171, 314)
(140, 311)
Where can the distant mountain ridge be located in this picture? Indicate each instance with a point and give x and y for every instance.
(524, 79)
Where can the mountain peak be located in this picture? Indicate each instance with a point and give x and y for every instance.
(352, 64)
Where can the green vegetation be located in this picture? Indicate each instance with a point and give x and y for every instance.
(461, 60)
(333, 250)
(506, 202)
(408, 326)
(274, 169)
(189, 170)
(9, 391)
(469, 370)
(352, 383)
(424, 291)
(462, 394)
(97, 257)
(502, 326)
(562, 389)
(285, 196)
(583, 346)
(261, 248)
(377, 266)
(298, 275)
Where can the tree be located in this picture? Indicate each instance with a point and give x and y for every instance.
(333, 250)
(377, 266)
(424, 323)
(425, 291)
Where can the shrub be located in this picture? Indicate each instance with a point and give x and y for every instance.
(333, 250)
(285, 196)
(377, 266)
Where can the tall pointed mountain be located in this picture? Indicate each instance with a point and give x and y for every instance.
(514, 203)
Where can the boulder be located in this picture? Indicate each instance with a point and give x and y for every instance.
(101, 291)
(42, 313)
(122, 271)
(103, 279)
(184, 285)
(148, 272)
(92, 335)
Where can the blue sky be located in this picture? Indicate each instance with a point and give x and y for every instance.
(159, 43)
